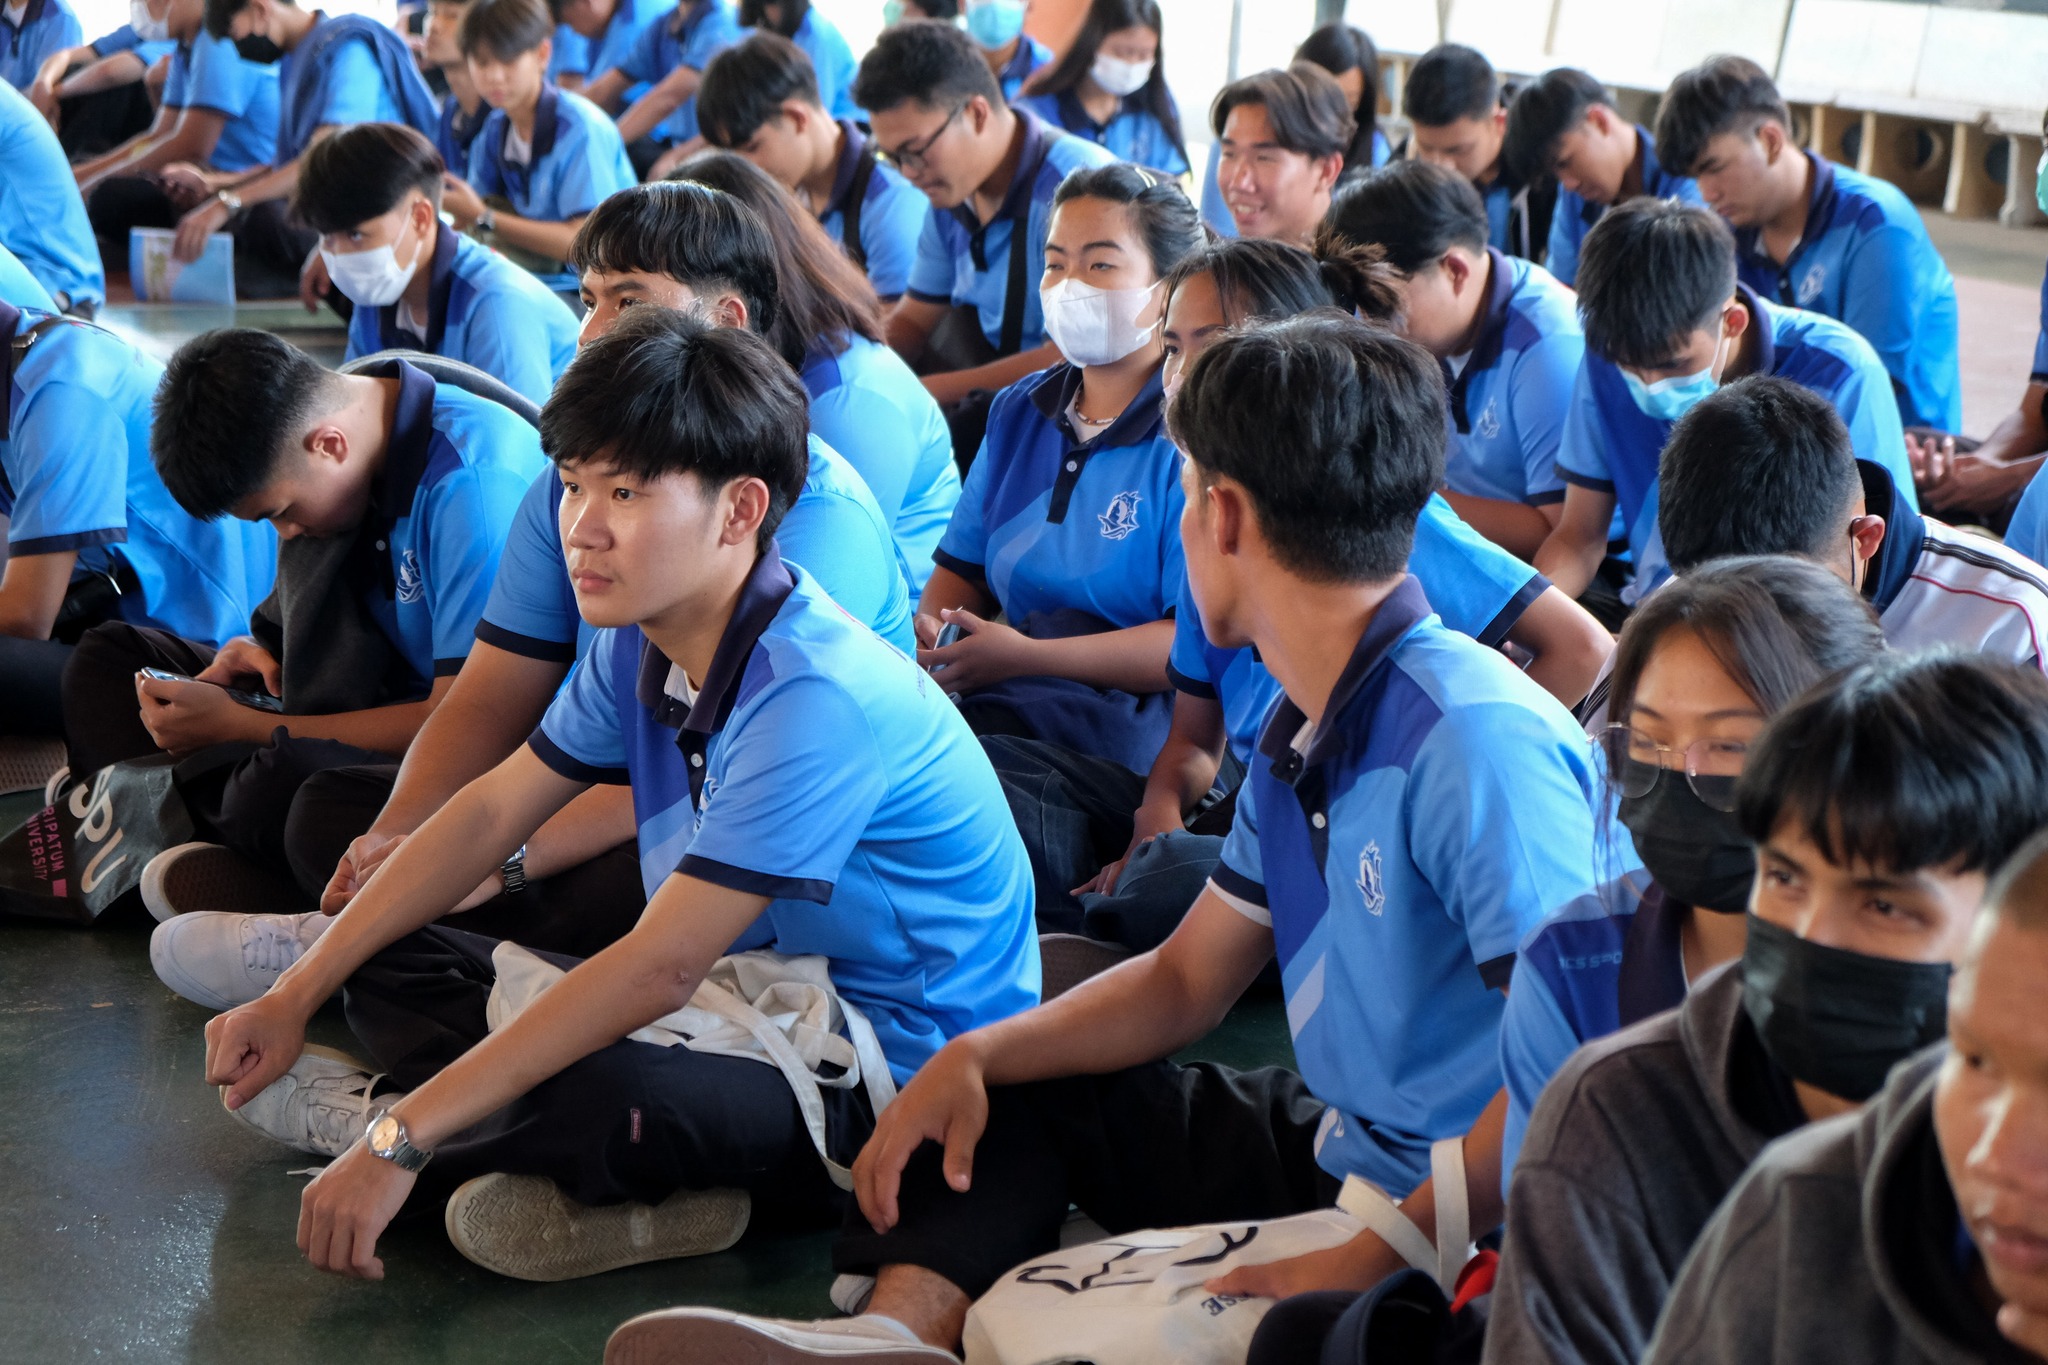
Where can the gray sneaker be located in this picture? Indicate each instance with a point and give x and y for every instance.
(322, 1105)
(712, 1336)
(525, 1227)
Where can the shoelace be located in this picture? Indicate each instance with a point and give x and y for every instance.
(271, 943)
(338, 1108)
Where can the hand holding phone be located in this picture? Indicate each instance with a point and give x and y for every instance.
(261, 701)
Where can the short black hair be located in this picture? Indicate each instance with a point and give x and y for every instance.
(221, 13)
(504, 29)
(1450, 82)
(936, 9)
(791, 15)
(1650, 272)
(1334, 427)
(1543, 112)
(231, 402)
(1935, 760)
(1260, 279)
(689, 232)
(746, 86)
(665, 392)
(1304, 104)
(1762, 466)
(1414, 211)
(1341, 49)
(926, 62)
(362, 172)
(1166, 220)
(1721, 95)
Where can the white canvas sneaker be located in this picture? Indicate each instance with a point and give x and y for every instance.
(712, 1336)
(222, 960)
(200, 876)
(525, 1227)
(322, 1105)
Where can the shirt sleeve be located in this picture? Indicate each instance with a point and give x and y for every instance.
(350, 86)
(642, 62)
(891, 225)
(1535, 1040)
(122, 39)
(1240, 873)
(931, 274)
(1187, 666)
(2028, 531)
(1562, 258)
(715, 34)
(588, 174)
(505, 340)
(532, 609)
(964, 547)
(1540, 396)
(1582, 448)
(798, 785)
(1881, 296)
(67, 461)
(1479, 589)
(219, 80)
(468, 517)
(580, 736)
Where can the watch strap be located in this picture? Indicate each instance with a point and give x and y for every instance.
(401, 1153)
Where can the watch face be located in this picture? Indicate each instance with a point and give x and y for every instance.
(384, 1134)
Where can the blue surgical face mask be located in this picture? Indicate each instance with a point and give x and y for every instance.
(2041, 181)
(1667, 400)
(993, 23)
(892, 13)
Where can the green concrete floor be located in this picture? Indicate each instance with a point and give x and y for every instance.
(139, 1222)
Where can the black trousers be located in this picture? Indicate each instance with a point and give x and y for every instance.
(121, 203)
(632, 1121)
(269, 252)
(88, 125)
(32, 681)
(1159, 1145)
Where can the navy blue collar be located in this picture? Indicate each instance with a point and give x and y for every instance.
(1018, 68)
(409, 445)
(547, 111)
(767, 587)
(1492, 337)
(1144, 420)
(686, 17)
(32, 14)
(1401, 612)
(1016, 205)
(1891, 568)
(441, 284)
(1820, 210)
(852, 142)
(1075, 118)
(1760, 323)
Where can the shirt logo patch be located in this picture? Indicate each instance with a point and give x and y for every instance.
(1488, 425)
(1370, 883)
(704, 799)
(411, 585)
(1122, 517)
(1810, 284)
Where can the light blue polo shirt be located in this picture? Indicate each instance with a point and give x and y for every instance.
(47, 27)
(1508, 401)
(75, 474)
(579, 161)
(484, 311)
(593, 57)
(1865, 259)
(457, 131)
(1022, 66)
(867, 405)
(126, 39)
(1612, 446)
(20, 288)
(1133, 133)
(834, 524)
(691, 35)
(833, 61)
(1050, 524)
(1475, 587)
(210, 74)
(42, 216)
(349, 69)
(1574, 216)
(892, 214)
(1444, 804)
(2028, 530)
(963, 261)
(569, 55)
(455, 469)
(821, 768)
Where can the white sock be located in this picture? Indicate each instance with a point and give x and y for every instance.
(894, 1326)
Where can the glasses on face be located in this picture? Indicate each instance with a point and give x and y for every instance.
(1635, 762)
(910, 157)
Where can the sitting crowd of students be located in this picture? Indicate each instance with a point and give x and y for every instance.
(898, 529)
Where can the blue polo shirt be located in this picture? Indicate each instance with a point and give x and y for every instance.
(1133, 133)
(868, 406)
(1574, 216)
(1022, 66)
(20, 288)
(75, 474)
(455, 469)
(42, 217)
(592, 57)
(1051, 524)
(579, 161)
(1475, 587)
(484, 311)
(1612, 446)
(126, 39)
(821, 768)
(47, 27)
(961, 260)
(690, 36)
(1508, 401)
(833, 61)
(208, 73)
(892, 214)
(456, 133)
(834, 525)
(348, 69)
(1865, 259)
(570, 55)
(1441, 808)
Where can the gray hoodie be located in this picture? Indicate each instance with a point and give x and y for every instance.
(1841, 1244)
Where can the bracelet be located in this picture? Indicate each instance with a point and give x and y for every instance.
(229, 200)
(487, 221)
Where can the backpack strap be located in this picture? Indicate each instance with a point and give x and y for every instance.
(1369, 1204)
(856, 197)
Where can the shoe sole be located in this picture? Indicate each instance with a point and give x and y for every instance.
(524, 1227)
(1066, 960)
(210, 877)
(27, 765)
(700, 1337)
(315, 1051)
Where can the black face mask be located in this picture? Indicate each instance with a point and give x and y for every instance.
(1695, 853)
(1834, 1019)
(259, 49)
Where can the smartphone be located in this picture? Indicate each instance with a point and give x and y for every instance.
(948, 633)
(261, 701)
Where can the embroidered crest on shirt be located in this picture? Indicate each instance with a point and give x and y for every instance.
(1370, 884)
(411, 585)
(1122, 517)
(1488, 425)
(704, 799)
(1810, 283)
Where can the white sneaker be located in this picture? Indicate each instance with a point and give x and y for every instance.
(525, 1227)
(322, 1105)
(193, 877)
(221, 960)
(850, 1293)
(712, 1336)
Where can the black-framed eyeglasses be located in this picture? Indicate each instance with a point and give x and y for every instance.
(1635, 762)
(910, 157)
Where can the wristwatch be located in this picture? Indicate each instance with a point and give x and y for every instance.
(229, 200)
(386, 1138)
(513, 870)
(487, 221)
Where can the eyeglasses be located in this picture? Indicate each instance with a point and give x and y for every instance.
(1635, 762)
(910, 157)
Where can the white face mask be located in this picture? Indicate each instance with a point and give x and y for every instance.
(1118, 76)
(1095, 326)
(147, 26)
(373, 278)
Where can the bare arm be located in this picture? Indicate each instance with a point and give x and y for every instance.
(663, 98)
(1571, 555)
(2023, 432)
(191, 135)
(538, 234)
(108, 73)
(32, 592)
(1569, 645)
(910, 325)
(947, 591)
(605, 91)
(1516, 527)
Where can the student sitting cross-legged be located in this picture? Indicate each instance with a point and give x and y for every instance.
(808, 791)
(545, 158)
(1415, 806)
(373, 193)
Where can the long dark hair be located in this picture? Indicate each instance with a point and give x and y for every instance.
(1104, 18)
(824, 297)
(1338, 49)
(1258, 279)
(754, 14)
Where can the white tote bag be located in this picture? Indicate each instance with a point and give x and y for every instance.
(1138, 1299)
